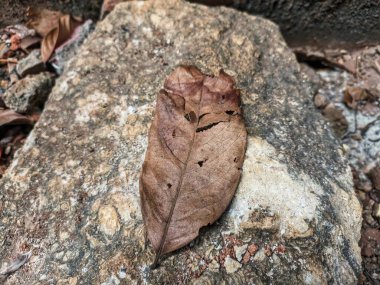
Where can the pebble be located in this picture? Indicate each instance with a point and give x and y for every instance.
(231, 265)
(31, 64)
(29, 92)
(239, 251)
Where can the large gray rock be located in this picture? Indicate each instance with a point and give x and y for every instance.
(71, 195)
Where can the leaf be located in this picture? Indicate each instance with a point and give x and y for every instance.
(10, 117)
(29, 42)
(66, 26)
(193, 162)
(42, 21)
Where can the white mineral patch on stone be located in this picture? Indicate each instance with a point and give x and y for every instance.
(73, 280)
(239, 251)
(231, 265)
(260, 255)
(214, 266)
(108, 220)
(266, 183)
(127, 206)
(87, 107)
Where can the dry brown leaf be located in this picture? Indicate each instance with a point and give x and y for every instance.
(42, 21)
(193, 162)
(29, 42)
(10, 117)
(66, 26)
(353, 95)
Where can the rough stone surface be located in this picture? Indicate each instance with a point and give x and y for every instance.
(29, 93)
(32, 64)
(231, 265)
(81, 164)
(239, 251)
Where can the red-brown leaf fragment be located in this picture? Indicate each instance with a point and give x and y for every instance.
(195, 152)
(10, 117)
(66, 26)
(42, 20)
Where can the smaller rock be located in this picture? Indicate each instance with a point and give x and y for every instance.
(239, 251)
(267, 250)
(370, 240)
(247, 257)
(336, 117)
(260, 255)
(231, 265)
(73, 280)
(252, 249)
(32, 64)
(374, 175)
(214, 266)
(29, 93)
(375, 195)
(280, 249)
(320, 101)
(376, 211)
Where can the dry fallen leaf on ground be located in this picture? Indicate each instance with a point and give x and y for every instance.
(43, 20)
(66, 26)
(16, 37)
(193, 162)
(10, 117)
(353, 95)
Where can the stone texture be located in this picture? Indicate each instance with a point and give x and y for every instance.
(31, 64)
(231, 265)
(239, 251)
(82, 162)
(29, 93)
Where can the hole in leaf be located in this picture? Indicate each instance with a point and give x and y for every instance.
(200, 163)
(173, 134)
(201, 129)
(191, 117)
(235, 159)
(230, 112)
(169, 185)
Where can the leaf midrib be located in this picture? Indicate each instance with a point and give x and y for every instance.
(178, 190)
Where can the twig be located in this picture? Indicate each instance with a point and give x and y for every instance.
(347, 134)
(364, 130)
